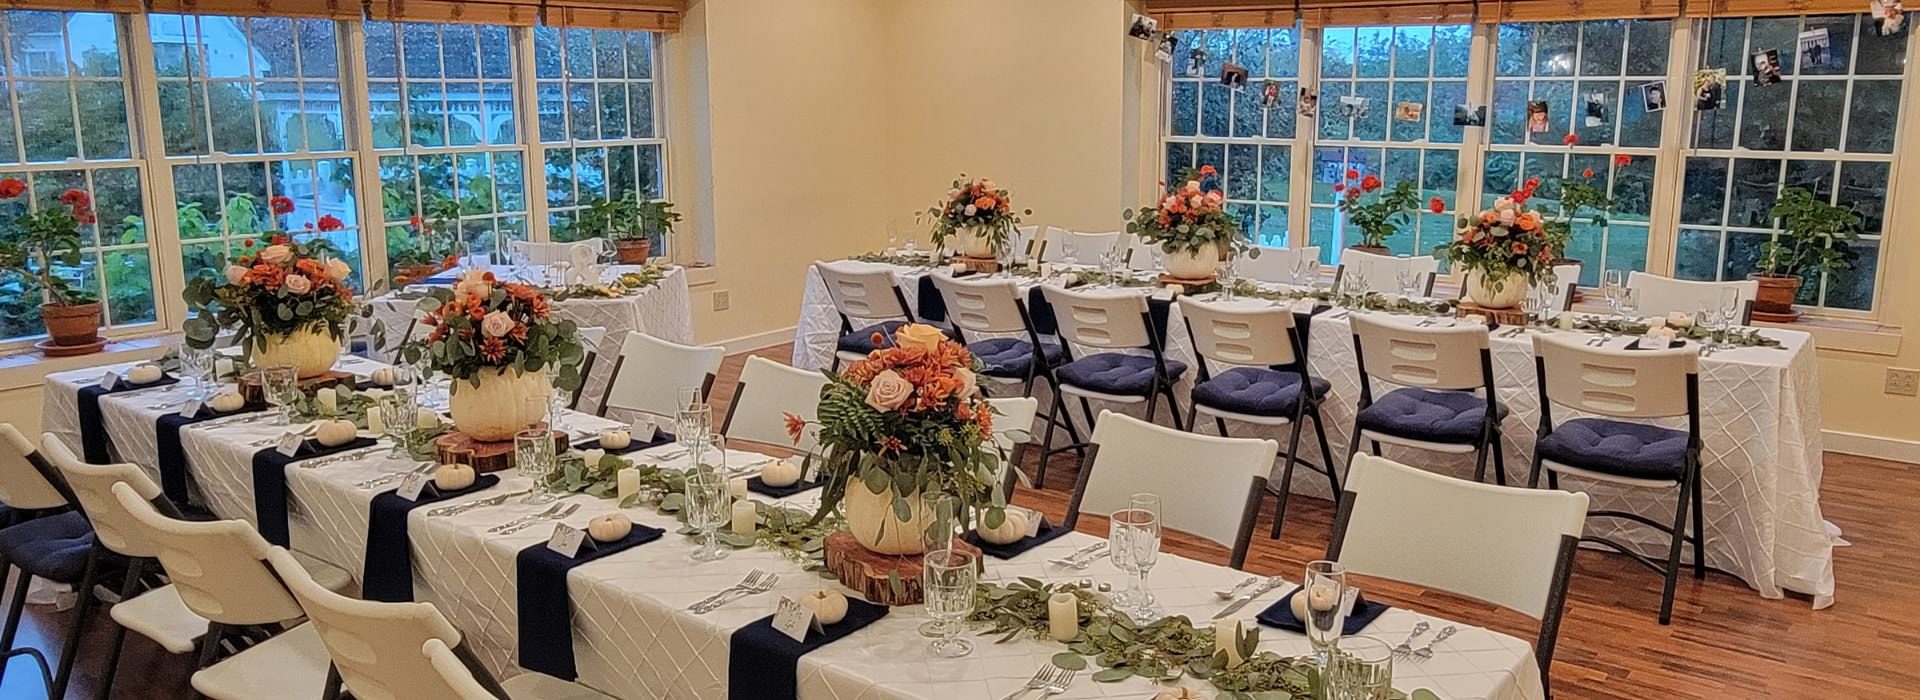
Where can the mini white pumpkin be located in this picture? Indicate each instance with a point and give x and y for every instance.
(1009, 532)
(335, 433)
(615, 439)
(382, 376)
(609, 528)
(144, 374)
(780, 474)
(228, 402)
(1179, 694)
(453, 476)
(828, 606)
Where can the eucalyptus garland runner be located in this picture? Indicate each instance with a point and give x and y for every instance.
(903, 260)
(626, 285)
(1738, 337)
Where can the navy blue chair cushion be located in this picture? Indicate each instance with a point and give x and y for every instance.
(1621, 448)
(861, 341)
(1427, 415)
(1256, 391)
(1116, 373)
(54, 547)
(1011, 357)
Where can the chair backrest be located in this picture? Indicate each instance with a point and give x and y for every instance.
(863, 291)
(376, 646)
(1382, 272)
(1660, 296)
(456, 681)
(1509, 546)
(1102, 319)
(1140, 254)
(768, 390)
(1236, 334)
(1086, 247)
(92, 486)
(1274, 264)
(23, 484)
(650, 372)
(1131, 456)
(1565, 279)
(1023, 242)
(981, 305)
(537, 253)
(219, 567)
(1429, 358)
(1616, 382)
(1012, 428)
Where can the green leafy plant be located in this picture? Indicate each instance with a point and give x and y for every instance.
(1189, 217)
(1383, 215)
(1578, 199)
(431, 239)
(43, 239)
(1813, 237)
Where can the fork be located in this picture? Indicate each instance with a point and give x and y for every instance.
(342, 457)
(563, 513)
(263, 442)
(488, 502)
(555, 508)
(1058, 684)
(757, 581)
(423, 468)
(1082, 557)
(1426, 652)
(1046, 679)
(1406, 647)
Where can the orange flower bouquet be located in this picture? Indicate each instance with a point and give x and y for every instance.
(277, 290)
(979, 213)
(1503, 242)
(483, 323)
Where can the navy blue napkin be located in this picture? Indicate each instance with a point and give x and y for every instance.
(172, 456)
(1281, 614)
(270, 484)
(763, 663)
(1048, 533)
(930, 306)
(387, 575)
(660, 437)
(93, 428)
(756, 485)
(545, 609)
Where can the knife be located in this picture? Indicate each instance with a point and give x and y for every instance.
(1242, 601)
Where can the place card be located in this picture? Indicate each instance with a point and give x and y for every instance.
(412, 485)
(1303, 306)
(795, 620)
(566, 540)
(289, 443)
(109, 380)
(1034, 518)
(644, 431)
(190, 409)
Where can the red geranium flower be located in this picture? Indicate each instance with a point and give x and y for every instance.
(1436, 205)
(1339, 187)
(330, 222)
(84, 215)
(12, 187)
(1622, 159)
(1570, 139)
(414, 220)
(1206, 170)
(1353, 174)
(248, 243)
(1371, 183)
(1587, 173)
(1533, 182)
(75, 198)
(280, 205)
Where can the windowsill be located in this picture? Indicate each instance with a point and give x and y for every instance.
(29, 367)
(701, 274)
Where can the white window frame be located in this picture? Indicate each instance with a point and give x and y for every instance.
(569, 143)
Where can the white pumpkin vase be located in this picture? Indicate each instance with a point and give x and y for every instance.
(871, 519)
(503, 404)
(1512, 290)
(974, 242)
(1199, 264)
(312, 352)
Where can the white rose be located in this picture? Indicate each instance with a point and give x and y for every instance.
(1503, 204)
(338, 270)
(496, 324)
(299, 284)
(971, 210)
(276, 254)
(1506, 216)
(236, 274)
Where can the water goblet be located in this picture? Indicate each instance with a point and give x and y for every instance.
(1409, 281)
(946, 511)
(397, 416)
(1359, 668)
(533, 456)
(709, 505)
(1144, 543)
(1629, 303)
(197, 364)
(281, 386)
(948, 580)
(1229, 276)
(1068, 251)
(690, 396)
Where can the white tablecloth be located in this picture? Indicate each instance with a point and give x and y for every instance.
(1761, 425)
(632, 636)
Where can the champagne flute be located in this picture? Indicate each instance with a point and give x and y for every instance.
(709, 505)
(1328, 600)
(948, 581)
(556, 399)
(1229, 276)
(1120, 552)
(533, 456)
(1143, 544)
(281, 386)
(1729, 308)
(1629, 303)
(1409, 282)
(691, 424)
(1610, 287)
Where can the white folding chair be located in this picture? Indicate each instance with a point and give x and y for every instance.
(538, 253)
(1660, 296)
(459, 681)
(1619, 390)
(1508, 546)
(870, 304)
(1566, 280)
(590, 339)
(1119, 327)
(1012, 432)
(1077, 248)
(1275, 265)
(768, 390)
(1140, 254)
(1131, 456)
(1382, 272)
(990, 317)
(36, 513)
(1439, 369)
(649, 373)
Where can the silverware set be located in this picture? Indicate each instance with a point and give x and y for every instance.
(1426, 652)
(1051, 681)
(304, 432)
(487, 502)
(1243, 599)
(1515, 331)
(1083, 557)
(1406, 646)
(377, 481)
(557, 512)
(757, 581)
(342, 457)
(1233, 592)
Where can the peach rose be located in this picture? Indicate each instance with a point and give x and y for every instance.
(276, 254)
(496, 324)
(1530, 220)
(888, 391)
(969, 384)
(236, 274)
(299, 284)
(919, 336)
(338, 270)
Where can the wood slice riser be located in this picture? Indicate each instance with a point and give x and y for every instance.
(487, 457)
(866, 572)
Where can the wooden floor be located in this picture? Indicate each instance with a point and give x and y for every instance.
(1725, 640)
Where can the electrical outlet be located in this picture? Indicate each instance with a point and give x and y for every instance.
(1903, 382)
(721, 300)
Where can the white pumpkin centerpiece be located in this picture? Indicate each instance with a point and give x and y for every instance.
(287, 302)
(310, 352)
(497, 342)
(1189, 224)
(502, 404)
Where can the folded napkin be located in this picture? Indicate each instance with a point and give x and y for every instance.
(270, 484)
(388, 573)
(93, 428)
(1281, 614)
(545, 608)
(1048, 533)
(172, 456)
(763, 663)
(660, 437)
(756, 485)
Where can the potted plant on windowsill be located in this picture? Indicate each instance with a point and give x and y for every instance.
(1379, 218)
(1191, 226)
(1813, 242)
(435, 245)
(630, 223)
(39, 241)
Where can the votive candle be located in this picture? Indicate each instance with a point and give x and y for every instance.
(1063, 617)
(745, 518)
(627, 483)
(738, 485)
(1226, 634)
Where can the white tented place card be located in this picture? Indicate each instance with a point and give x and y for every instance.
(109, 380)
(794, 619)
(1033, 519)
(644, 431)
(566, 540)
(412, 485)
(190, 408)
(289, 443)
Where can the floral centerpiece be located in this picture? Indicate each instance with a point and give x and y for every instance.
(285, 303)
(1380, 217)
(1191, 225)
(497, 341)
(898, 429)
(979, 213)
(1505, 250)
(34, 244)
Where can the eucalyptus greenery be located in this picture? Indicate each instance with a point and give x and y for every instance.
(903, 260)
(1737, 336)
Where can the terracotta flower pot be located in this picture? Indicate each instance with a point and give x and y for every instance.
(871, 519)
(75, 324)
(414, 273)
(1374, 249)
(1774, 301)
(634, 251)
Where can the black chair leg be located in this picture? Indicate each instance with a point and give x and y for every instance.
(1376, 447)
(1353, 446)
(1326, 454)
(14, 609)
(1087, 410)
(1699, 525)
(1154, 398)
(1533, 473)
(1218, 422)
(1673, 552)
(1553, 479)
(332, 691)
(80, 615)
(1286, 480)
(1480, 460)
(1046, 443)
(1499, 460)
(134, 570)
(1173, 407)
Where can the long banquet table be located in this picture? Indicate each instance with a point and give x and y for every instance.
(1760, 423)
(631, 635)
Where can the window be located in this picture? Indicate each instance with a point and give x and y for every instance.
(254, 134)
(1594, 79)
(442, 99)
(1234, 129)
(64, 125)
(1386, 108)
(1826, 127)
(598, 121)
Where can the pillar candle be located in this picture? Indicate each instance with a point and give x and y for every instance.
(426, 419)
(745, 518)
(328, 400)
(592, 457)
(1225, 634)
(628, 483)
(376, 424)
(1063, 617)
(738, 485)
(1566, 321)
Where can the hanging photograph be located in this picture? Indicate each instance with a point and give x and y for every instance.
(1233, 75)
(1654, 95)
(1815, 46)
(1168, 44)
(1537, 117)
(1270, 95)
(1143, 27)
(1766, 67)
(1309, 103)
(1596, 109)
(1892, 15)
(1352, 107)
(1408, 111)
(1196, 60)
(1709, 88)
(1469, 115)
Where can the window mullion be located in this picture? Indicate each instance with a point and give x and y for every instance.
(533, 175)
(1670, 167)
(355, 95)
(1471, 178)
(1305, 133)
(156, 183)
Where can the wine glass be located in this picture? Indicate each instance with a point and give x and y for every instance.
(1229, 276)
(556, 398)
(1536, 304)
(533, 456)
(1068, 251)
(1409, 281)
(692, 423)
(1359, 668)
(948, 581)
(1328, 600)
(690, 397)
(281, 386)
(1610, 287)
(197, 364)
(1729, 308)
(1629, 303)
(397, 416)
(709, 505)
(1313, 274)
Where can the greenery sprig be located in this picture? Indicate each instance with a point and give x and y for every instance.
(1737, 336)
